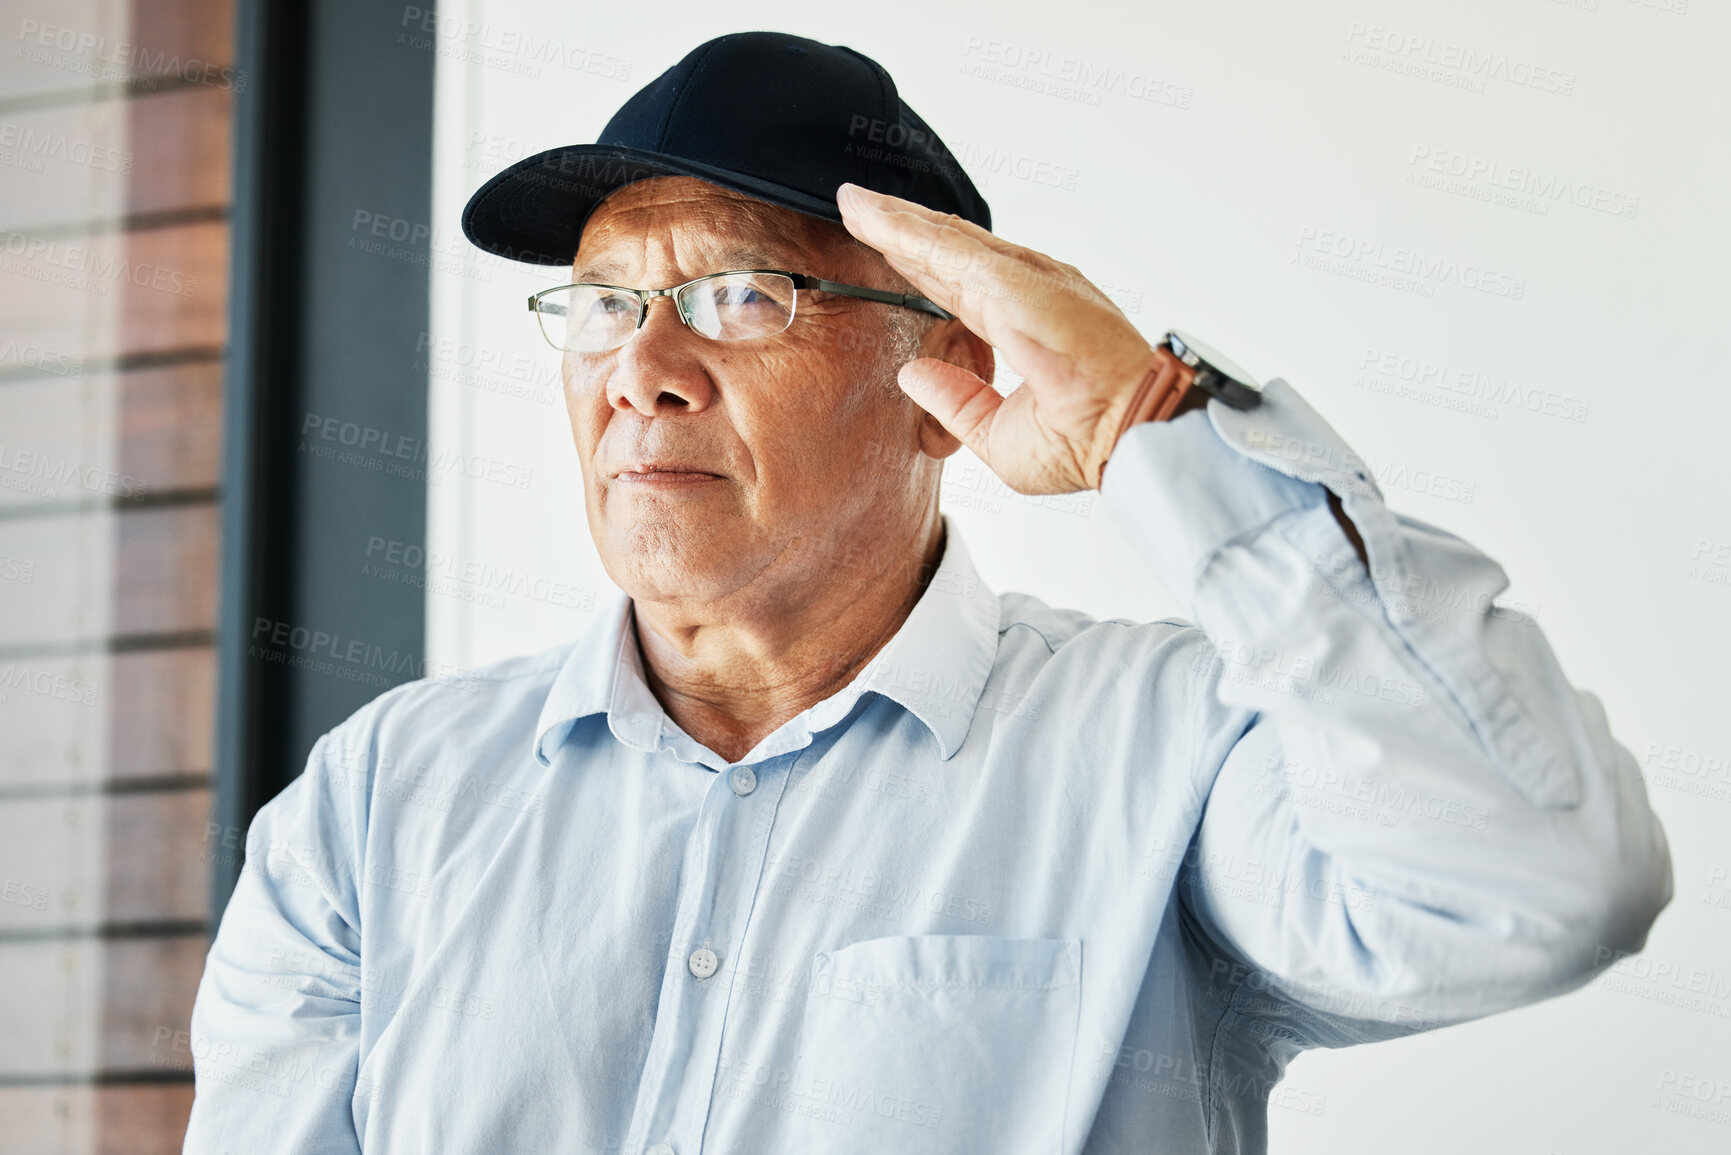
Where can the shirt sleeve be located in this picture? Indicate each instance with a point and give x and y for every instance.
(1413, 818)
(276, 1024)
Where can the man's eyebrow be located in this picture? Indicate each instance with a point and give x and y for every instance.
(749, 257)
(599, 271)
(722, 259)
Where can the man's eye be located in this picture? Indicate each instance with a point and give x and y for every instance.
(738, 296)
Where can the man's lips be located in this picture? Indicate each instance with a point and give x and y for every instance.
(659, 474)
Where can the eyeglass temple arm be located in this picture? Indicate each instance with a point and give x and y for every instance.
(906, 300)
(536, 307)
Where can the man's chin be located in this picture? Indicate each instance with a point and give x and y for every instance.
(670, 561)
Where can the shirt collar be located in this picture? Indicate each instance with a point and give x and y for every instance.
(935, 666)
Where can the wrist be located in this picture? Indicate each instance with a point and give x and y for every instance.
(1161, 395)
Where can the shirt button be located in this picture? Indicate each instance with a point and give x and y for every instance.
(702, 963)
(742, 780)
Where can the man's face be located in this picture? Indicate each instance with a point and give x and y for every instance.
(710, 464)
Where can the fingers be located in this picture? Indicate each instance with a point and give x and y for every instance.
(960, 400)
(909, 236)
(863, 203)
(955, 263)
(1008, 294)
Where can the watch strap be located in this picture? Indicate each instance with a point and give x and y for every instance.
(1151, 403)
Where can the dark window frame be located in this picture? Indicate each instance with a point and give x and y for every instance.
(333, 118)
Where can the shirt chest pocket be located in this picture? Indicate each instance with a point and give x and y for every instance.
(938, 1043)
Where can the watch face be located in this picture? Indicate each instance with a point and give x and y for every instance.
(1184, 342)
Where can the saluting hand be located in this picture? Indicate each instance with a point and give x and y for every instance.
(1084, 366)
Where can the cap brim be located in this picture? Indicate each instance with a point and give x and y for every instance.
(535, 210)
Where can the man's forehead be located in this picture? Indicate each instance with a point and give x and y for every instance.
(594, 263)
(701, 221)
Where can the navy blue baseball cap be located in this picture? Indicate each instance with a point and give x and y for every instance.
(774, 116)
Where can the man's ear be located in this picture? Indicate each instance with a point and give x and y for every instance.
(955, 343)
(936, 442)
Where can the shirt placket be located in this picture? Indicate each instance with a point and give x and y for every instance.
(719, 881)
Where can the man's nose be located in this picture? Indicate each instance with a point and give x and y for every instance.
(660, 372)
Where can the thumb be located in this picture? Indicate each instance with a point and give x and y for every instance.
(962, 402)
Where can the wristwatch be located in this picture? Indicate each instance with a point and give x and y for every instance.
(1215, 375)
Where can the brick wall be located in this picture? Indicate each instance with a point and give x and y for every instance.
(114, 174)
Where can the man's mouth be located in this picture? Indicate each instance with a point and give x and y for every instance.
(664, 473)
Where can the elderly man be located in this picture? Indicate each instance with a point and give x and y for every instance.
(813, 843)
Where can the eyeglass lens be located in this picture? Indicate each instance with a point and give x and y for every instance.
(727, 307)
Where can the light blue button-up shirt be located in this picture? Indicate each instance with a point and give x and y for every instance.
(1033, 882)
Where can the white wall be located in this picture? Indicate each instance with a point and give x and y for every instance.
(1271, 126)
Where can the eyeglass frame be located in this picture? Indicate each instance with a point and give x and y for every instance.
(800, 281)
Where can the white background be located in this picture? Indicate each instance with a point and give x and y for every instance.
(1203, 217)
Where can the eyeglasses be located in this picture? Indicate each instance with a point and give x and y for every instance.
(731, 306)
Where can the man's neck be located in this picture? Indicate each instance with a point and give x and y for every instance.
(733, 678)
